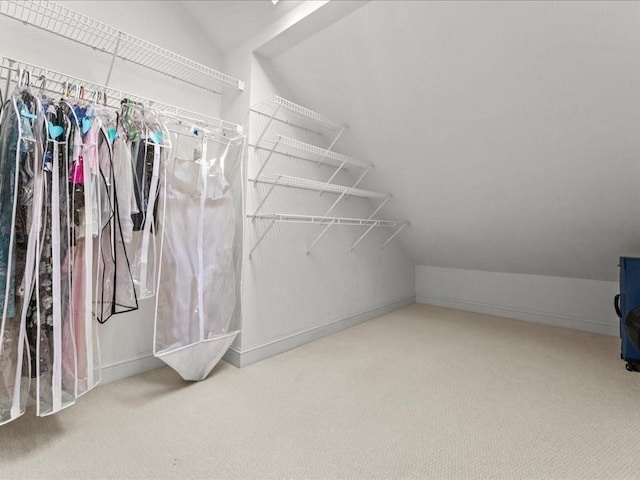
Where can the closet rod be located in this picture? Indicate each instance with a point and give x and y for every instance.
(60, 83)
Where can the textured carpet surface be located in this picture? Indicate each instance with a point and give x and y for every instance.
(422, 392)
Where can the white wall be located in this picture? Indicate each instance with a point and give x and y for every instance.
(338, 288)
(290, 298)
(565, 302)
(507, 130)
(126, 340)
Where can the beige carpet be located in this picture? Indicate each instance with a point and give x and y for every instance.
(423, 392)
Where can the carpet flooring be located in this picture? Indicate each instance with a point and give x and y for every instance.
(422, 392)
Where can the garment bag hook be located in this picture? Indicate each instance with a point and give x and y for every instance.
(24, 77)
(43, 83)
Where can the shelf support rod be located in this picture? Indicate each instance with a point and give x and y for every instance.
(379, 207)
(334, 175)
(266, 127)
(343, 194)
(374, 224)
(396, 233)
(262, 236)
(264, 199)
(266, 160)
(340, 197)
(9, 75)
(328, 149)
(320, 236)
(113, 59)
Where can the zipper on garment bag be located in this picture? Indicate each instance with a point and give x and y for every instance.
(203, 178)
(149, 217)
(56, 375)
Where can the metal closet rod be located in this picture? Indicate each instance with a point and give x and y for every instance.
(43, 78)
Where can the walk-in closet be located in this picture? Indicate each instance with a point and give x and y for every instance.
(319, 239)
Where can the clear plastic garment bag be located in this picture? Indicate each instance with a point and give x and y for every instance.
(151, 144)
(50, 225)
(197, 283)
(20, 152)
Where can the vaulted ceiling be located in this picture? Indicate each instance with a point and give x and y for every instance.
(228, 23)
(507, 131)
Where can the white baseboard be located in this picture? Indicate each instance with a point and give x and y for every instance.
(562, 302)
(130, 366)
(241, 357)
(545, 318)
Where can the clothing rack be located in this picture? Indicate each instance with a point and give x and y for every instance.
(68, 23)
(52, 82)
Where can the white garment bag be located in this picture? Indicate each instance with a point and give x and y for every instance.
(197, 274)
(20, 155)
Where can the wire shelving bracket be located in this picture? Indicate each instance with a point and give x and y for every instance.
(68, 23)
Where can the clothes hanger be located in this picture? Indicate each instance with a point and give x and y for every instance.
(126, 120)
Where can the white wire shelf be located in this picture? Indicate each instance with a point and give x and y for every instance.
(307, 184)
(305, 151)
(281, 109)
(320, 220)
(85, 30)
(62, 84)
(329, 222)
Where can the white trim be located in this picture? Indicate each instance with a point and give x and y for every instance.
(536, 316)
(246, 356)
(241, 357)
(128, 367)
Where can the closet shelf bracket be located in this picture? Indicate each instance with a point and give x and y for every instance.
(266, 160)
(273, 115)
(404, 225)
(326, 152)
(264, 234)
(344, 194)
(324, 230)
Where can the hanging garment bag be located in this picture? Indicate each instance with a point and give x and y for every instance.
(56, 386)
(197, 282)
(19, 176)
(114, 290)
(627, 304)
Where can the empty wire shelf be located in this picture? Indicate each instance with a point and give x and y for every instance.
(305, 151)
(321, 220)
(286, 111)
(307, 184)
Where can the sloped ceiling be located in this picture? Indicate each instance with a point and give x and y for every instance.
(230, 22)
(508, 132)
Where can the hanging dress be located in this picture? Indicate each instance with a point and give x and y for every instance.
(197, 285)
